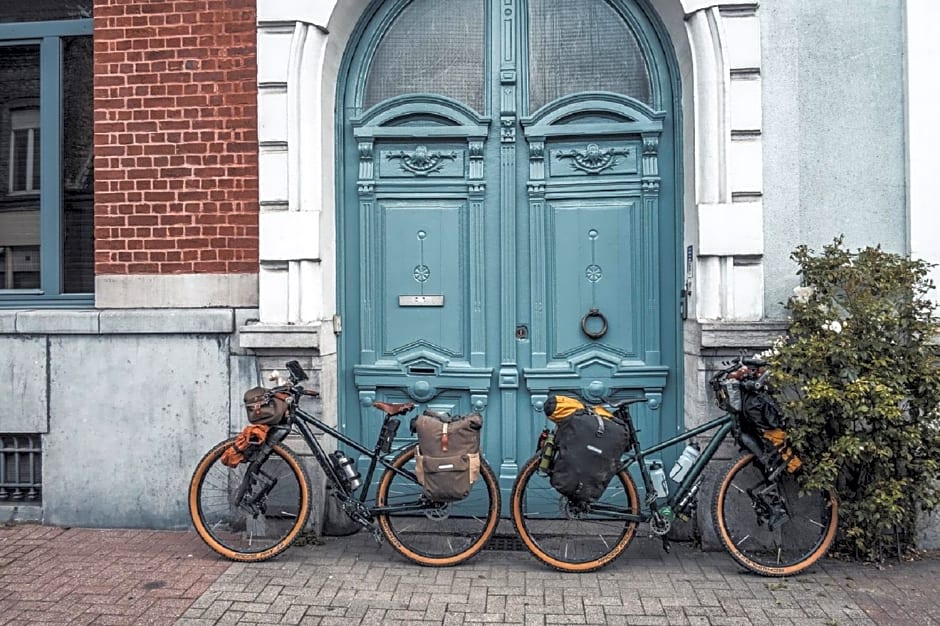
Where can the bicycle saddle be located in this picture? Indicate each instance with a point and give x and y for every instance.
(394, 409)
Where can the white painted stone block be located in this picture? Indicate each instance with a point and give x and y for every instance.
(272, 293)
(742, 40)
(731, 229)
(746, 103)
(272, 174)
(708, 300)
(923, 57)
(289, 235)
(311, 11)
(746, 165)
(311, 291)
(273, 52)
(748, 292)
(272, 114)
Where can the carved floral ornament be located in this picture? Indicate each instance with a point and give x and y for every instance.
(421, 161)
(593, 159)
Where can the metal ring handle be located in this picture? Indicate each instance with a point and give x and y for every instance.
(594, 312)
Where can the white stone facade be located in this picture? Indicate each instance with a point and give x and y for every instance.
(300, 47)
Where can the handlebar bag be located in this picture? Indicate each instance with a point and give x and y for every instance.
(588, 447)
(265, 407)
(448, 456)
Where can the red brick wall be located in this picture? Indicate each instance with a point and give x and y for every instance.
(176, 163)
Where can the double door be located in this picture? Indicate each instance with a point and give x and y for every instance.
(506, 242)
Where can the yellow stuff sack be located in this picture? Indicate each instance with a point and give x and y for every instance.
(779, 438)
(558, 408)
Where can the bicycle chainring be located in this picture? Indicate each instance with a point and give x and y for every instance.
(659, 525)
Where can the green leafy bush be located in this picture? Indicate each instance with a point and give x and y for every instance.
(862, 389)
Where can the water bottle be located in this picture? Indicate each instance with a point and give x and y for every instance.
(658, 476)
(347, 470)
(548, 452)
(684, 463)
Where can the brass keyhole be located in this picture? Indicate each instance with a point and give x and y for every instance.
(522, 331)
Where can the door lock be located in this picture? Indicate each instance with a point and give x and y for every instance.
(522, 331)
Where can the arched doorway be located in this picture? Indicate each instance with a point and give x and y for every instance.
(507, 214)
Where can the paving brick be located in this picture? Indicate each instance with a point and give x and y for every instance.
(131, 577)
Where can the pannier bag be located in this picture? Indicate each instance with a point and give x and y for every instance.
(762, 410)
(588, 446)
(265, 407)
(251, 435)
(448, 457)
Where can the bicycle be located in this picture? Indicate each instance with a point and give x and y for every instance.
(255, 510)
(764, 520)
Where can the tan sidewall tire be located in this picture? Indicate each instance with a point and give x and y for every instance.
(208, 461)
(719, 520)
(516, 506)
(486, 474)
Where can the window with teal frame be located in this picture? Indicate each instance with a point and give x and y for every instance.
(46, 157)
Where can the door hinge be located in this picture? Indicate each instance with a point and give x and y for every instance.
(337, 324)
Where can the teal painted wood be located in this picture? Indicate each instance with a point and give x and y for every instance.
(513, 225)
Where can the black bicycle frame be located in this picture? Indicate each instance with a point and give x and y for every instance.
(723, 425)
(305, 422)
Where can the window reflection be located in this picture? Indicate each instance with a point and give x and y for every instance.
(40, 10)
(19, 167)
(78, 248)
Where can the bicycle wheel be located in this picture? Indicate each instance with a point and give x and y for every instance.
(436, 534)
(273, 510)
(570, 536)
(772, 529)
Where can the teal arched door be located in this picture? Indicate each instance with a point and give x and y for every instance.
(508, 220)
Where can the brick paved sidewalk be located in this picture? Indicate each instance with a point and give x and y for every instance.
(81, 576)
(50, 575)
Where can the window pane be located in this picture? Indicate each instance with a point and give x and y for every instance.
(434, 46)
(34, 150)
(19, 212)
(77, 167)
(20, 159)
(39, 10)
(582, 46)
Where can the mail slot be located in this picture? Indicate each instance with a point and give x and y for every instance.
(421, 300)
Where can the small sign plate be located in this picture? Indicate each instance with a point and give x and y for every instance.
(420, 300)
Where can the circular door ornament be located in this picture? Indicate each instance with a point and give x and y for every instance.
(590, 327)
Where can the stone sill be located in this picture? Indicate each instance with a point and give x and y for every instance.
(276, 336)
(748, 335)
(118, 321)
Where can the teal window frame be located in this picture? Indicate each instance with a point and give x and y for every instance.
(48, 35)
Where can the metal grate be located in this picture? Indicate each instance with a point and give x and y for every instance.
(20, 469)
(504, 542)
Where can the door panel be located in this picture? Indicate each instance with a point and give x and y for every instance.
(424, 288)
(485, 250)
(588, 272)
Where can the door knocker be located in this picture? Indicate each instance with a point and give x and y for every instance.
(594, 334)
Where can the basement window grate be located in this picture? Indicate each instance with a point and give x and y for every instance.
(505, 543)
(20, 469)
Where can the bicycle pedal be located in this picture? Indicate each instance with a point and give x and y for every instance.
(666, 546)
(377, 535)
